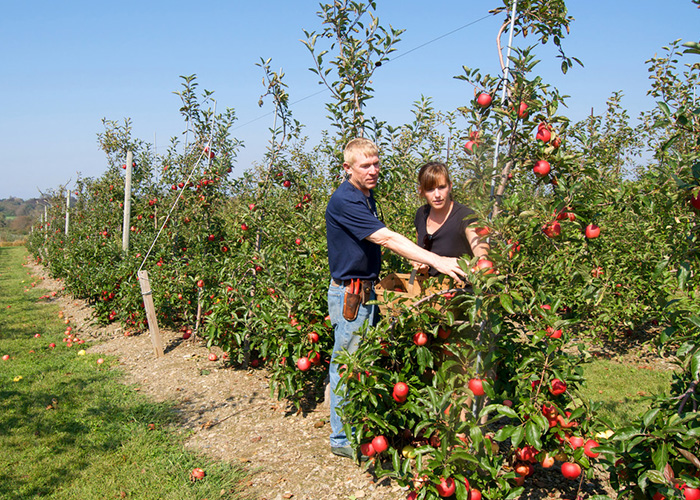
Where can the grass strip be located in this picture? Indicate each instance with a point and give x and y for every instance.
(69, 429)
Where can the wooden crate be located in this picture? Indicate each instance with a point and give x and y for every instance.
(406, 293)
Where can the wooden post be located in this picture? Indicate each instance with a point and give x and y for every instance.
(67, 211)
(127, 202)
(156, 339)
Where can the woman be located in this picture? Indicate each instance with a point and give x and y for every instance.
(442, 224)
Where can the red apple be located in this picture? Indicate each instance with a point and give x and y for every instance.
(576, 442)
(197, 474)
(542, 168)
(547, 461)
(297, 241)
(400, 392)
(522, 110)
(100, 361)
(543, 135)
(476, 386)
(420, 338)
(200, 283)
(313, 337)
(304, 364)
(549, 411)
(552, 230)
(314, 358)
(469, 145)
(484, 100)
(557, 387)
(6, 357)
(380, 444)
(570, 470)
(367, 449)
(526, 454)
(552, 333)
(525, 470)
(447, 487)
(286, 184)
(52, 345)
(592, 231)
(587, 448)
(213, 357)
(695, 200)
(444, 333)
(474, 494)
(244, 227)
(690, 493)
(484, 265)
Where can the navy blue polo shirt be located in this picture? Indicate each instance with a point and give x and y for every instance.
(350, 218)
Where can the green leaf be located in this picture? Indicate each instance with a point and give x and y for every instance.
(659, 268)
(660, 456)
(694, 320)
(515, 493)
(656, 476)
(664, 107)
(517, 436)
(506, 303)
(506, 411)
(541, 421)
(650, 416)
(626, 434)
(695, 365)
(533, 433)
(504, 433)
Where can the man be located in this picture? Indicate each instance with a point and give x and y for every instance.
(355, 236)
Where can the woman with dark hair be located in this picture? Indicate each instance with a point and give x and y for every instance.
(442, 224)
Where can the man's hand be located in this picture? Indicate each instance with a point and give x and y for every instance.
(406, 248)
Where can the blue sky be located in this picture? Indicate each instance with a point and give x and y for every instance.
(66, 65)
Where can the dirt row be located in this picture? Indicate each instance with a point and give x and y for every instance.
(230, 415)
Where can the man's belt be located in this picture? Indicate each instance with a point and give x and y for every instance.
(350, 281)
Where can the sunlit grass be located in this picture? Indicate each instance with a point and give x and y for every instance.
(624, 388)
(69, 429)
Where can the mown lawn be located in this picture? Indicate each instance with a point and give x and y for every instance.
(69, 429)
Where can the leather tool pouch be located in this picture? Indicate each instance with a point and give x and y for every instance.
(351, 305)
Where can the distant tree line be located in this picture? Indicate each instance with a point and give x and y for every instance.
(17, 216)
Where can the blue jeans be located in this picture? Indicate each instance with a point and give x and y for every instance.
(347, 337)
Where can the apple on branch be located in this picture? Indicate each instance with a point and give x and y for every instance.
(484, 100)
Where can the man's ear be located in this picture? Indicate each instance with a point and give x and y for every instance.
(346, 167)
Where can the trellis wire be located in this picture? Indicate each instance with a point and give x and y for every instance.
(182, 190)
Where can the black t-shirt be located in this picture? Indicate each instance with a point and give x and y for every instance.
(450, 239)
(350, 218)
